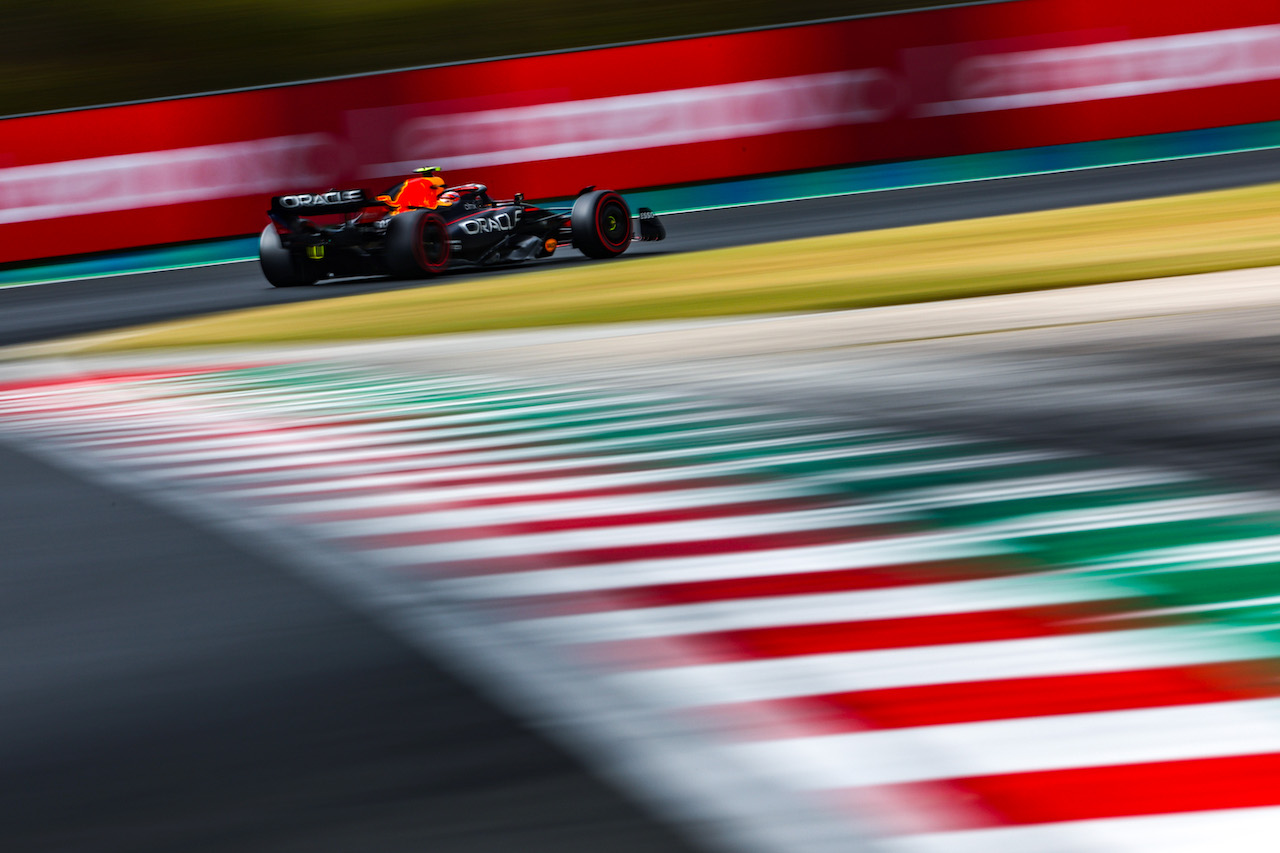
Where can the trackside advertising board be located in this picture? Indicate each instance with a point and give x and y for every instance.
(926, 84)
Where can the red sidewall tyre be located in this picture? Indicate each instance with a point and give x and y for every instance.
(417, 244)
(601, 224)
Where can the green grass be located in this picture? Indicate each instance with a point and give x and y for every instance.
(1061, 248)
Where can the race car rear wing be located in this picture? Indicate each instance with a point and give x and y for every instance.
(315, 204)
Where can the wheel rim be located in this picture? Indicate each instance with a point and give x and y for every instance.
(435, 247)
(613, 223)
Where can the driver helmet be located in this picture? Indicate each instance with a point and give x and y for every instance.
(431, 174)
(448, 198)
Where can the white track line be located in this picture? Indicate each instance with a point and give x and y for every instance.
(479, 450)
(1052, 485)
(1255, 551)
(327, 430)
(554, 509)
(529, 492)
(1132, 515)
(998, 747)
(212, 445)
(286, 446)
(667, 467)
(1226, 830)
(810, 675)
(584, 453)
(633, 535)
(867, 554)
(782, 611)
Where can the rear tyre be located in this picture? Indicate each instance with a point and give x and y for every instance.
(281, 267)
(417, 244)
(601, 224)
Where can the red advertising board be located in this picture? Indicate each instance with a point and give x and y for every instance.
(926, 84)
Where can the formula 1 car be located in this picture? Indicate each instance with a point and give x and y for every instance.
(372, 237)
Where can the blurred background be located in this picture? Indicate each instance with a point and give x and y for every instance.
(74, 53)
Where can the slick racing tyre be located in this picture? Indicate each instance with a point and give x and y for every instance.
(281, 267)
(600, 224)
(417, 244)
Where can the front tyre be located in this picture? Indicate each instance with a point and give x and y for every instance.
(417, 244)
(281, 267)
(601, 224)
